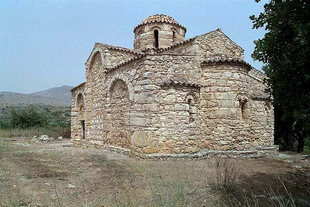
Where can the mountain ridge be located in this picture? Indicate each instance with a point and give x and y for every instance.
(56, 96)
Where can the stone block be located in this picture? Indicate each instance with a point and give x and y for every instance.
(140, 139)
(151, 150)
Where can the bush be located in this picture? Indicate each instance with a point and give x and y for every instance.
(28, 118)
(29, 121)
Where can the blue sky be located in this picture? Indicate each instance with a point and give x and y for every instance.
(45, 44)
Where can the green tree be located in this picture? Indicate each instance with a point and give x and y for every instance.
(284, 50)
(28, 117)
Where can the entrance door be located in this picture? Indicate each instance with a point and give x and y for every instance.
(83, 129)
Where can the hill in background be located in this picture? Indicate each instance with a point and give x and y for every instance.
(58, 96)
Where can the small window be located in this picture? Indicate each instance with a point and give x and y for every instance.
(83, 128)
(243, 108)
(173, 36)
(190, 110)
(267, 107)
(156, 38)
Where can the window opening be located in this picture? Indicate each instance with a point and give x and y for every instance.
(190, 110)
(243, 109)
(173, 36)
(156, 38)
(83, 128)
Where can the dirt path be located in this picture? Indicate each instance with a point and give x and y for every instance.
(58, 174)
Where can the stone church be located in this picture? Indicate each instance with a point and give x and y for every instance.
(171, 96)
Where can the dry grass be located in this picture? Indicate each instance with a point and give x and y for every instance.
(30, 132)
(283, 189)
(52, 175)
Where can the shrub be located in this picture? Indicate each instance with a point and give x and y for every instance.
(27, 118)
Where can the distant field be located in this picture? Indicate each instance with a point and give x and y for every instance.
(58, 122)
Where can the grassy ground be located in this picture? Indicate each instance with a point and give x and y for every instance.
(57, 174)
(31, 132)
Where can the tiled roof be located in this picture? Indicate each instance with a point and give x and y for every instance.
(175, 45)
(159, 18)
(183, 42)
(180, 83)
(125, 63)
(258, 72)
(158, 51)
(81, 84)
(220, 59)
(137, 52)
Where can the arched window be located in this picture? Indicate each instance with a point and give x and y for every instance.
(80, 105)
(243, 105)
(80, 101)
(190, 110)
(267, 107)
(156, 38)
(244, 108)
(96, 61)
(173, 36)
(192, 99)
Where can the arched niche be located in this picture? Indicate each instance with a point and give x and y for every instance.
(80, 101)
(80, 104)
(96, 61)
(119, 91)
(192, 99)
(125, 80)
(267, 110)
(119, 113)
(243, 102)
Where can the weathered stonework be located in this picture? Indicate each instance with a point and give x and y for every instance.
(173, 97)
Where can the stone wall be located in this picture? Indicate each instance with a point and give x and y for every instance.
(216, 42)
(77, 112)
(102, 58)
(262, 110)
(232, 118)
(135, 109)
(146, 101)
(210, 44)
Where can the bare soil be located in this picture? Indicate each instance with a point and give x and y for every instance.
(58, 174)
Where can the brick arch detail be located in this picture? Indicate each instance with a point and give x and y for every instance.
(122, 77)
(104, 59)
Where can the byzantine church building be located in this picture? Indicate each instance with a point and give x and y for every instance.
(172, 96)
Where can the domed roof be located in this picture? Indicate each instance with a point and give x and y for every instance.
(159, 18)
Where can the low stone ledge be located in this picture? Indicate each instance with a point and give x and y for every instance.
(255, 152)
(274, 147)
(203, 154)
(120, 150)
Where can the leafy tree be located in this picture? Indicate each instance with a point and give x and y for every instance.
(284, 50)
(28, 117)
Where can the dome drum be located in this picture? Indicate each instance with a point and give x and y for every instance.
(158, 31)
